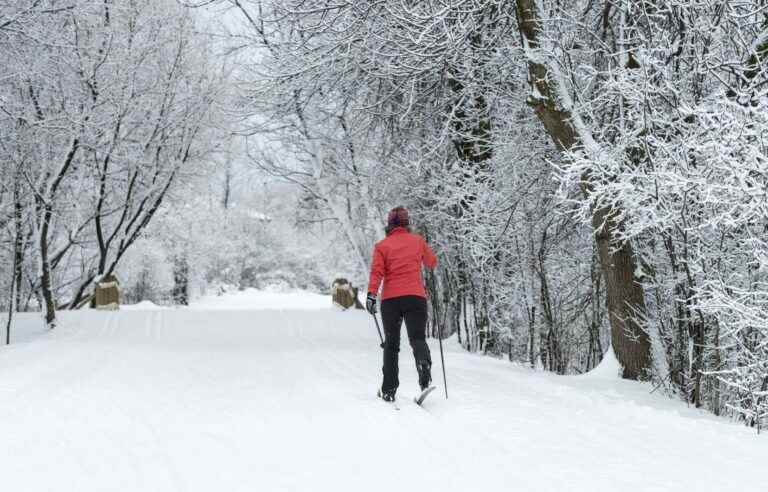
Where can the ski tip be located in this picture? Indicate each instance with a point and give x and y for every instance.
(419, 400)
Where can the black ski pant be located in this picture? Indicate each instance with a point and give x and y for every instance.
(412, 309)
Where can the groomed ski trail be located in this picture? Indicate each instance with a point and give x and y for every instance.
(228, 397)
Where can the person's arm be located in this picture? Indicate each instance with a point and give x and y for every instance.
(430, 260)
(377, 271)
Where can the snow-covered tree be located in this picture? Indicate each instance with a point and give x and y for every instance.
(580, 165)
(104, 106)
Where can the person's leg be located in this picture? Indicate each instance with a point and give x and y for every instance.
(415, 313)
(392, 319)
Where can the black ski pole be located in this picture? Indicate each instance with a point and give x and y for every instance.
(442, 357)
(378, 329)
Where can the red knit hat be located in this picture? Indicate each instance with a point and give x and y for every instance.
(398, 217)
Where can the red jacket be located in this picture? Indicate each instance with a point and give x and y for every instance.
(397, 261)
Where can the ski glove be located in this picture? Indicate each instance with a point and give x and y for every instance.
(370, 303)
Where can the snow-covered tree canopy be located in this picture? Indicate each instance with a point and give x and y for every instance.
(103, 106)
(591, 172)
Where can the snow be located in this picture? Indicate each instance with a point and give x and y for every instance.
(609, 367)
(252, 299)
(276, 392)
(143, 306)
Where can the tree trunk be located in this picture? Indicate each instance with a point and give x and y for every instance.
(181, 281)
(624, 296)
(532, 336)
(18, 246)
(10, 308)
(15, 285)
(46, 288)
(45, 278)
(227, 185)
(595, 344)
(46, 206)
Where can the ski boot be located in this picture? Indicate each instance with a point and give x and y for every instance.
(388, 396)
(425, 374)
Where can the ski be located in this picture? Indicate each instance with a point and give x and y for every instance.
(419, 400)
(424, 394)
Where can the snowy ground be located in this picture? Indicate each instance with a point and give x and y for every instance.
(233, 396)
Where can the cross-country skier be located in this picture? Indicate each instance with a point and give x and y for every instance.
(397, 262)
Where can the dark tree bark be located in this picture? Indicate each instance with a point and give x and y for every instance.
(17, 243)
(18, 246)
(532, 335)
(181, 281)
(228, 178)
(48, 199)
(624, 295)
(595, 344)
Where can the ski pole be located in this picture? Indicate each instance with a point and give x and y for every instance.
(378, 329)
(442, 357)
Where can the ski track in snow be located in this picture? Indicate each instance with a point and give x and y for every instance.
(220, 397)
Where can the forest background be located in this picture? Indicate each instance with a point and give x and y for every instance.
(593, 174)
